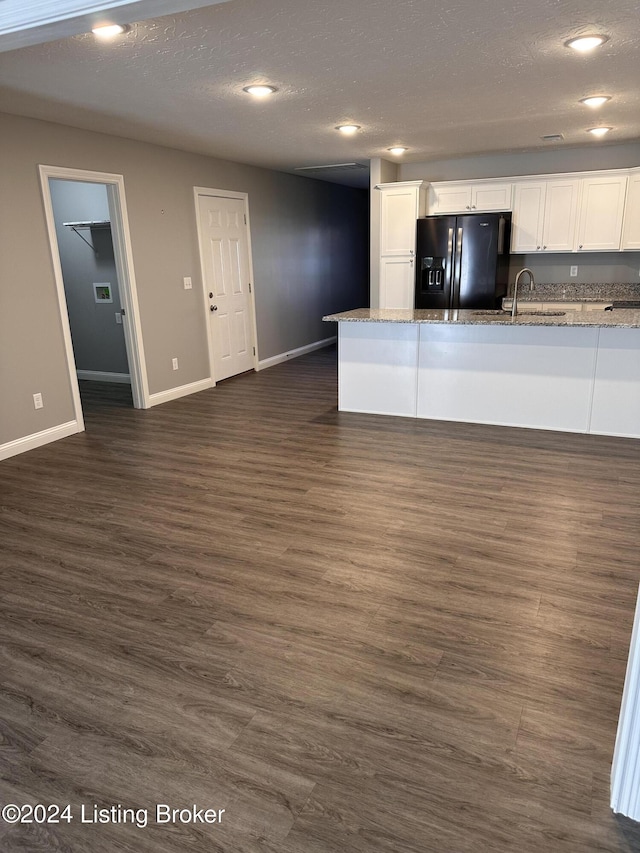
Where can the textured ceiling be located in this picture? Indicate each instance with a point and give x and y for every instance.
(445, 77)
(25, 22)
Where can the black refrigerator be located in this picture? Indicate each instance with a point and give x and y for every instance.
(462, 261)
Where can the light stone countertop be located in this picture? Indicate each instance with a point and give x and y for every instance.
(623, 318)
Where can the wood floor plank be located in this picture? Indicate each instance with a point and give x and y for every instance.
(355, 634)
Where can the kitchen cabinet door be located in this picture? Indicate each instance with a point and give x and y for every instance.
(486, 197)
(401, 205)
(463, 197)
(528, 217)
(560, 216)
(601, 214)
(631, 228)
(450, 198)
(397, 277)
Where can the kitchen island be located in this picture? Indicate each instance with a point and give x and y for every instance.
(572, 371)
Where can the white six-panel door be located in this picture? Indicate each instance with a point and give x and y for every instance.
(225, 259)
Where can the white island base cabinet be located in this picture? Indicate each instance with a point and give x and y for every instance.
(377, 368)
(616, 395)
(580, 379)
(529, 376)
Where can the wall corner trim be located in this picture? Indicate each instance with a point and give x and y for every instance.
(37, 439)
(180, 391)
(625, 771)
(295, 353)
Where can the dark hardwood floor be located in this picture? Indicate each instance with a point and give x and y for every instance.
(355, 634)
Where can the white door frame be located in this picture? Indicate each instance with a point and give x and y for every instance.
(199, 192)
(126, 279)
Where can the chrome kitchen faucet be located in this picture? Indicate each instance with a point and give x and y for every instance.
(514, 304)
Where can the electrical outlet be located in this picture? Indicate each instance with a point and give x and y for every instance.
(118, 318)
(174, 363)
(187, 282)
(573, 272)
(37, 401)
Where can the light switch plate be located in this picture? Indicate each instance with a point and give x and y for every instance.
(187, 282)
(573, 272)
(118, 318)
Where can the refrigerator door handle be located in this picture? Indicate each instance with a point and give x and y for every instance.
(449, 268)
(501, 227)
(457, 273)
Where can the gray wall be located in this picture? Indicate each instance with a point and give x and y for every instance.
(98, 341)
(604, 267)
(309, 251)
(550, 161)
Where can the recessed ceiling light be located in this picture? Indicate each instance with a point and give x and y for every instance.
(599, 131)
(583, 44)
(109, 31)
(348, 129)
(595, 100)
(397, 149)
(260, 91)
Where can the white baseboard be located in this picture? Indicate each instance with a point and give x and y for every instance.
(104, 376)
(37, 439)
(295, 353)
(180, 391)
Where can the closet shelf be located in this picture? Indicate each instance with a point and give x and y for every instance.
(93, 223)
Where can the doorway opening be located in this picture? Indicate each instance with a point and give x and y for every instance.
(91, 253)
(227, 275)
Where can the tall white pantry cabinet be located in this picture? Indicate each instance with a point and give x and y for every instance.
(401, 204)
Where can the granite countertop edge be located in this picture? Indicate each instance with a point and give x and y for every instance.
(622, 318)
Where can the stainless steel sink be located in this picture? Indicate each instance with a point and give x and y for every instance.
(499, 313)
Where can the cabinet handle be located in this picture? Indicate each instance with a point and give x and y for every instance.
(544, 247)
(580, 246)
(411, 261)
(468, 207)
(473, 207)
(537, 247)
(411, 252)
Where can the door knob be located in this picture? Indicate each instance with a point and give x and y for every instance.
(213, 308)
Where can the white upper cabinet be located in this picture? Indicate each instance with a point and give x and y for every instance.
(545, 215)
(449, 198)
(560, 215)
(401, 205)
(491, 196)
(469, 197)
(528, 217)
(601, 213)
(631, 228)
